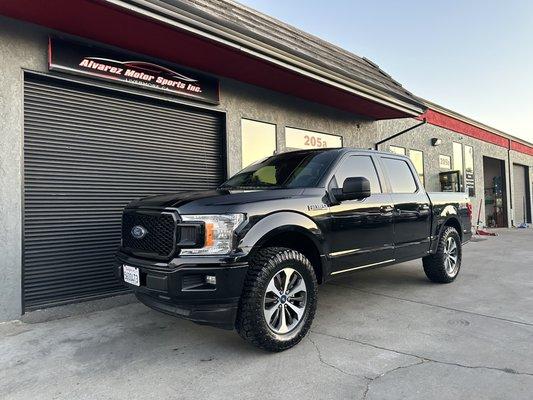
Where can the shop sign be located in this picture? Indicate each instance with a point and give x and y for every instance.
(445, 162)
(303, 139)
(470, 183)
(102, 63)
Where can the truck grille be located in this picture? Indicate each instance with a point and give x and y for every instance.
(158, 233)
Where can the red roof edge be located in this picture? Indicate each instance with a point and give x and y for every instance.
(445, 121)
(522, 148)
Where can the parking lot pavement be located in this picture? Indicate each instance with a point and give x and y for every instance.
(380, 334)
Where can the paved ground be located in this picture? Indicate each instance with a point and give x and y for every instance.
(381, 334)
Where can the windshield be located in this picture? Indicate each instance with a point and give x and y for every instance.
(295, 169)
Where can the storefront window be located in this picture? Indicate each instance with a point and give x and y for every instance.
(258, 140)
(397, 150)
(417, 157)
(469, 159)
(303, 139)
(449, 181)
(458, 162)
(458, 157)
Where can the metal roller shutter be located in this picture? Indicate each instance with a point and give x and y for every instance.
(87, 153)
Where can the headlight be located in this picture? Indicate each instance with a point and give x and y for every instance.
(218, 233)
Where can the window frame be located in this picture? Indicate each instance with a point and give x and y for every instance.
(382, 187)
(410, 166)
(276, 147)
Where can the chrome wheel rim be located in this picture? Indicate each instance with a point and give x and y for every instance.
(451, 256)
(285, 301)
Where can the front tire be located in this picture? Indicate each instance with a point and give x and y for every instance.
(279, 299)
(444, 265)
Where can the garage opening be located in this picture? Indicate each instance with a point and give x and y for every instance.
(87, 153)
(495, 192)
(521, 195)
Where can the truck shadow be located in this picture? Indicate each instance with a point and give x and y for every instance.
(155, 335)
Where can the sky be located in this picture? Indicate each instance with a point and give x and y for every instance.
(471, 56)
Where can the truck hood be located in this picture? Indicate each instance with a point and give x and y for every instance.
(212, 200)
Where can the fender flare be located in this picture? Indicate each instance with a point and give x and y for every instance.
(279, 222)
(441, 224)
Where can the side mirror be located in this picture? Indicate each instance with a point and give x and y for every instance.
(352, 189)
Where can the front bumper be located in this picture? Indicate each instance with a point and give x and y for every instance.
(178, 288)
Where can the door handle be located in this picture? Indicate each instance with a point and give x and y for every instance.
(387, 209)
(423, 207)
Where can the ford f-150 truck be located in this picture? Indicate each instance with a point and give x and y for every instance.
(251, 254)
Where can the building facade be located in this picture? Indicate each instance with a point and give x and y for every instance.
(106, 101)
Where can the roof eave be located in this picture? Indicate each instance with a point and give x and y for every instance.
(228, 36)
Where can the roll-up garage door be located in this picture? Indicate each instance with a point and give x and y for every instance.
(87, 153)
(520, 199)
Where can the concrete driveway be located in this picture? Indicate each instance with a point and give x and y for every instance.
(381, 334)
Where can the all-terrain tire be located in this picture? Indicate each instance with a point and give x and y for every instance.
(435, 265)
(251, 323)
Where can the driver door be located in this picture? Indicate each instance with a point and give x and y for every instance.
(361, 231)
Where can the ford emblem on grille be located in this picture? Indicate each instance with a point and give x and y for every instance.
(138, 232)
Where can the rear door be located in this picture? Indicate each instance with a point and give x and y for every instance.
(361, 230)
(412, 210)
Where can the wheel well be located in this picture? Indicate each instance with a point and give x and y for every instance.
(454, 223)
(301, 243)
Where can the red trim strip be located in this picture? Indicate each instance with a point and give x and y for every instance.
(444, 121)
(453, 124)
(522, 148)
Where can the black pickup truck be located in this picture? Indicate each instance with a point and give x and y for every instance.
(251, 254)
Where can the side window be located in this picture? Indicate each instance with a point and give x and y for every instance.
(355, 166)
(400, 176)
(458, 157)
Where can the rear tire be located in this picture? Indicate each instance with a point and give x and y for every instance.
(279, 299)
(444, 265)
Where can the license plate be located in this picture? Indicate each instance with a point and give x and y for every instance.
(131, 275)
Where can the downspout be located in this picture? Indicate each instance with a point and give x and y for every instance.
(376, 146)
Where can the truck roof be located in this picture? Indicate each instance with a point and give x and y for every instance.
(342, 150)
